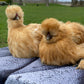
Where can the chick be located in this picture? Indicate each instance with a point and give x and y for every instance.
(23, 40)
(56, 46)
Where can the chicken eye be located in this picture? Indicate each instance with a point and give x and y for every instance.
(44, 33)
(54, 34)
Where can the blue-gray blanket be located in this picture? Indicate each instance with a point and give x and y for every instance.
(32, 71)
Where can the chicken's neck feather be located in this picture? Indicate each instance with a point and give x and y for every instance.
(15, 23)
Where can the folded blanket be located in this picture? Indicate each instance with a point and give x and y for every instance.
(32, 71)
(10, 64)
(65, 75)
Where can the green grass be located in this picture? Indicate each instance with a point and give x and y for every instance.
(34, 14)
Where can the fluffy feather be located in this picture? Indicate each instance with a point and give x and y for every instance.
(60, 49)
(76, 31)
(81, 65)
(23, 40)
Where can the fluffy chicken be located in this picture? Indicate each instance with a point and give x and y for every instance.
(23, 40)
(76, 30)
(57, 46)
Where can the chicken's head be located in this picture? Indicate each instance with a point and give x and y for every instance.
(14, 12)
(50, 30)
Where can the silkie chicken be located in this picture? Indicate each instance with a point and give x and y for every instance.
(57, 46)
(76, 30)
(23, 40)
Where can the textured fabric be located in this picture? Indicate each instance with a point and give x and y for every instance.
(63, 75)
(32, 71)
(10, 64)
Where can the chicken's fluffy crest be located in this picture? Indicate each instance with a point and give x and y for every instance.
(50, 23)
(16, 9)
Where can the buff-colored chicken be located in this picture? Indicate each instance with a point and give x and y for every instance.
(23, 40)
(57, 46)
(75, 30)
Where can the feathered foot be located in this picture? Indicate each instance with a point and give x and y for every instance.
(80, 65)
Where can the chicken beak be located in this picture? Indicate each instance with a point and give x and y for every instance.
(48, 37)
(16, 17)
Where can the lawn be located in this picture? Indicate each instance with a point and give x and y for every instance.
(34, 14)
